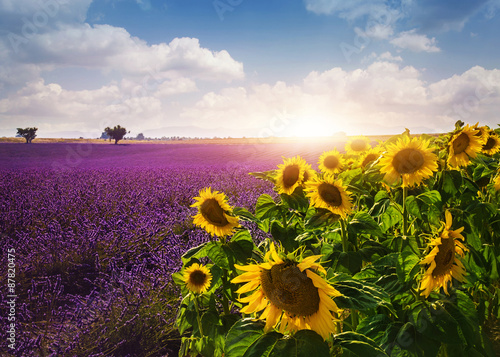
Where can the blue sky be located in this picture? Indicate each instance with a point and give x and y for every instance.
(247, 67)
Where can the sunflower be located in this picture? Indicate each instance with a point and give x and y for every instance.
(464, 145)
(330, 162)
(482, 132)
(293, 295)
(197, 278)
(214, 213)
(496, 182)
(442, 263)
(492, 144)
(329, 193)
(291, 174)
(370, 156)
(357, 145)
(309, 173)
(411, 159)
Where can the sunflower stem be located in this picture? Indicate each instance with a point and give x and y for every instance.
(343, 230)
(198, 316)
(354, 319)
(225, 301)
(405, 212)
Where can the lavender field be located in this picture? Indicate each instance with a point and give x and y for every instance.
(97, 231)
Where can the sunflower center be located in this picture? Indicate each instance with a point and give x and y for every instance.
(358, 145)
(369, 158)
(445, 257)
(489, 144)
(407, 161)
(213, 212)
(291, 290)
(290, 175)
(330, 194)
(197, 278)
(331, 162)
(461, 143)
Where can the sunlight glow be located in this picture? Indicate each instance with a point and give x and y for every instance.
(316, 127)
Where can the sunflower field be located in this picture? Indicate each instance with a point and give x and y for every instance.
(391, 250)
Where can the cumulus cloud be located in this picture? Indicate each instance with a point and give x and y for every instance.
(382, 98)
(42, 36)
(54, 108)
(112, 48)
(415, 42)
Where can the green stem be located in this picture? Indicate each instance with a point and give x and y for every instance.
(405, 212)
(225, 301)
(198, 316)
(354, 319)
(343, 230)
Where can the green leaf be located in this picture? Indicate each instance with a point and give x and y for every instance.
(297, 200)
(240, 247)
(358, 344)
(408, 264)
(370, 248)
(412, 206)
(390, 218)
(320, 217)
(217, 254)
(359, 295)
(186, 316)
(247, 339)
(362, 223)
(265, 207)
(286, 236)
(196, 252)
(244, 214)
(304, 343)
(434, 322)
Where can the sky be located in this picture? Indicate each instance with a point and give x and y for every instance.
(248, 68)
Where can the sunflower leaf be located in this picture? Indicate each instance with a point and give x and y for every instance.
(360, 294)
(244, 214)
(246, 338)
(358, 344)
(196, 252)
(362, 222)
(265, 207)
(408, 264)
(304, 343)
(297, 200)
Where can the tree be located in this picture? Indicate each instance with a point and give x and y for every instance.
(117, 133)
(28, 133)
(140, 136)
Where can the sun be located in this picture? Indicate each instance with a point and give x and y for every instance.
(316, 126)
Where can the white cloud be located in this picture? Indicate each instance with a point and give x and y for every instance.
(112, 48)
(382, 98)
(387, 56)
(414, 42)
